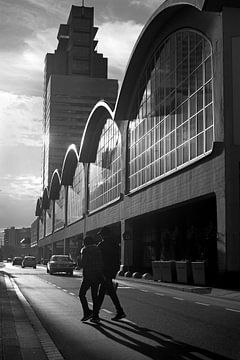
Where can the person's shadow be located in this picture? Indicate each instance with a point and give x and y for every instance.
(151, 343)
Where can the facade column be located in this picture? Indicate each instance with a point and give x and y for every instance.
(66, 246)
(221, 233)
(54, 247)
(126, 245)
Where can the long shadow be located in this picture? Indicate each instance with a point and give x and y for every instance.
(164, 346)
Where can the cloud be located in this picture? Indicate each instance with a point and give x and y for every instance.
(22, 187)
(116, 41)
(18, 199)
(20, 120)
(150, 4)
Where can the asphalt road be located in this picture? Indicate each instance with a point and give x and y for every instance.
(161, 323)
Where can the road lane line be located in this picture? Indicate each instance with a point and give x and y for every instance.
(234, 310)
(178, 298)
(107, 311)
(72, 294)
(159, 294)
(64, 290)
(146, 291)
(201, 303)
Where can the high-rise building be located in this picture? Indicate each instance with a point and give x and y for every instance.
(75, 78)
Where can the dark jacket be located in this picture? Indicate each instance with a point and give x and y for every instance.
(110, 255)
(92, 263)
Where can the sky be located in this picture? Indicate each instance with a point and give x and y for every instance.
(28, 30)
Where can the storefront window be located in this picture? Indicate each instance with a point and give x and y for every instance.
(105, 173)
(174, 124)
(76, 195)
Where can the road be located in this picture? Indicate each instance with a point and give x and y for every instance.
(161, 323)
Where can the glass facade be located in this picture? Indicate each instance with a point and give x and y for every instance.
(76, 195)
(174, 123)
(49, 219)
(41, 227)
(105, 173)
(59, 220)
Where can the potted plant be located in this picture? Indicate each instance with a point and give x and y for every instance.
(183, 271)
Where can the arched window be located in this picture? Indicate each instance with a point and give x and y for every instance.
(49, 218)
(76, 195)
(59, 210)
(105, 173)
(174, 123)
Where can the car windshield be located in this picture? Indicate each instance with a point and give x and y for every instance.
(30, 258)
(60, 258)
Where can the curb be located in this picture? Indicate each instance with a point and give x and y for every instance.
(181, 287)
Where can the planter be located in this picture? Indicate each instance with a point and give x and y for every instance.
(168, 271)
(199, 272)
(184, 272)
(156, 270)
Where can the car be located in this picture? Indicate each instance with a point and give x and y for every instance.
(60, 263)
(17, 260)
(9, 259)
(29, 261)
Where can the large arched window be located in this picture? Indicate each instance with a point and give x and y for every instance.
(49, 218)
(174, 123)
(76, 195)
(105, 173)
(59, 219)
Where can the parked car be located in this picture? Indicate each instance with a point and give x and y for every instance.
(9, 259)
(60, 263)
(29, 261)
(17, 260)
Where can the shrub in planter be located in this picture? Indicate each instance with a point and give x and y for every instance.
(156, 269)
(168, 271)
(184, 271)
(199, 272)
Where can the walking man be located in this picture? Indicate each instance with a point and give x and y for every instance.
(110, 255)
(92, 265)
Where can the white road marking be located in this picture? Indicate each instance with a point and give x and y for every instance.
(72, 294)
(159, 294)
(234, 310)
(107, 311)
(64, 290)
(200, 303)
(178, 298)
(144, 291)
(59, 287)
(124, 287)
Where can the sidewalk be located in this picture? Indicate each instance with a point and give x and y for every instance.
(20, 337)
(18, 340)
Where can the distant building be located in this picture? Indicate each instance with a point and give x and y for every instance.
(75, 78)
(1, 238)
(17, 241)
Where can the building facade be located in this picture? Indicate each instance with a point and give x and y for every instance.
(75, 78)
(161, 169)
(17, 242)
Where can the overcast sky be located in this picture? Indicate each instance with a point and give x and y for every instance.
(28, 30)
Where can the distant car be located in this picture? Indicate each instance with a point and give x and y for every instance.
(17, 260)
(29, 261)
(60, 263)
(9, 259)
